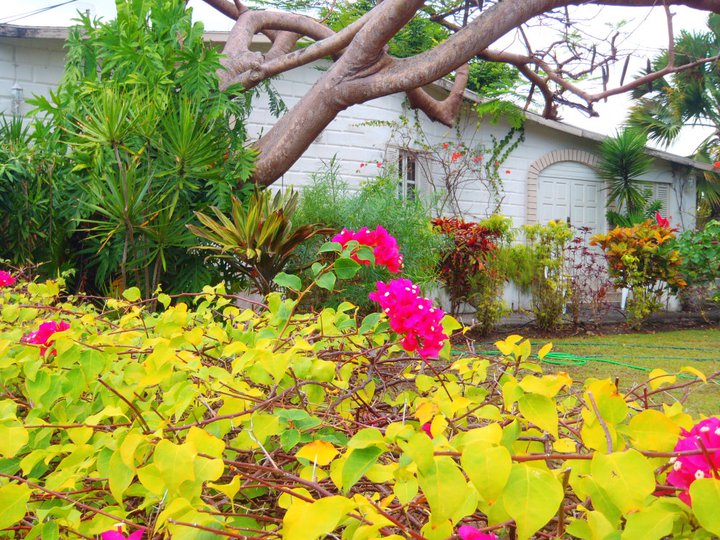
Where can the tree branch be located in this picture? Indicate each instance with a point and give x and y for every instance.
(444, 111)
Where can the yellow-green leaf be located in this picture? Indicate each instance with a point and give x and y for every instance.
(652, 430)
(531, 497)
(488, 469)
(309, 521)
(659, 377)
(626, 477)
(13, 501)
(541, 411)
(705, 496)
(444, 487)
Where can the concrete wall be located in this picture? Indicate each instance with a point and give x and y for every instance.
(35, 65)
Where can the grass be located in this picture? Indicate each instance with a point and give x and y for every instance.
(631, 357)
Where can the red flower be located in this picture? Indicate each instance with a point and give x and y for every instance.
(507, 171)
(477, 159)
(6, 279)
(716, 164)
(362, 165)
(379, 164)
(455, 156)
(661, 221)
(445, 145)
(43, 334)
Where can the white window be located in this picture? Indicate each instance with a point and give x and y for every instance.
(407, 167)
(657, 191)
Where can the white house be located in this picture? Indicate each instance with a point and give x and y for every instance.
(549, 175)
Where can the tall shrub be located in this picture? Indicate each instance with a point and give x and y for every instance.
(151, 138)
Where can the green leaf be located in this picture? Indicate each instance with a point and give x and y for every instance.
(541, 411)
(330, 247)
(132, 294)
(289, 281)
(532, 497)
(326, 281)
(705, 496)
(13, 501)
(444, 487)
(357, 464)
(346, 268)
(369, 322)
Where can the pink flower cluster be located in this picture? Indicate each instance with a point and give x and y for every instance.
(118, 534)
(385, 247)
(43, 334)
(704, 436)
(466, 532)
(6, 279)
(412, 315)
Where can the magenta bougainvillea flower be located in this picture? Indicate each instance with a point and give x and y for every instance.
(427, 428)
(705, 436)
(6, 279)
(466, 532)
(118, 534)
(412, 316)
(44, 333)
(661, 221)
(385, 247)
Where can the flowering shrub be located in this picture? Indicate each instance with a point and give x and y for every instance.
(118, 534)
(207, 421)
(412, 315)
(642, 259)
(385, 248)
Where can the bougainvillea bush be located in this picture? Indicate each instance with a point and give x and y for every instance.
(203, 420)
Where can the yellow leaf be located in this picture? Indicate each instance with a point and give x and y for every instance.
(513, 339)
(564, 446)
(504, 347)
(699, 374)
(523, 350)
(426, 411)
(659, 377)
(320, 452)
(542, 353)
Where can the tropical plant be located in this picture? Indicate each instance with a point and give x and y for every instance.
(151, 138)
(623, 160)
(699, 252)
(258, 238)
(688, 98)
(642, 258)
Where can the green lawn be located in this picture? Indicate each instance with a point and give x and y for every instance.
(630, 357)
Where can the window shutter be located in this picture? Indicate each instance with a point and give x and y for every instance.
(661, 193)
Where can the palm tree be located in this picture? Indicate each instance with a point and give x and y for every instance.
(622, 161)
(690, 98)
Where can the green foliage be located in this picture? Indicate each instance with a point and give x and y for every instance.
(699, 252)
(647, 210)
(328, 200)
(642, 259)
(151, 138)
(257, 239)
(205, 420)
(622, 161)
(539, 267)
